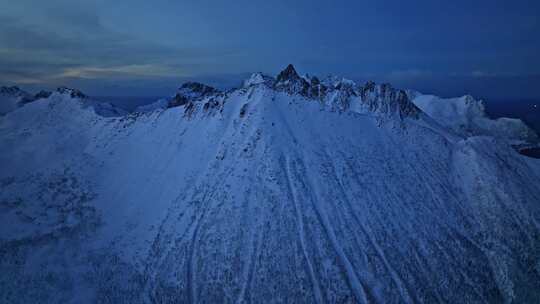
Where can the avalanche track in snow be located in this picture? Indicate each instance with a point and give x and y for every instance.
(285, 190)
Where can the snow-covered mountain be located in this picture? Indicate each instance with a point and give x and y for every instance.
(12, 98)
(289, 189)
(468, 117)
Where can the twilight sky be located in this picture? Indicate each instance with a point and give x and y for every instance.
(487, 48)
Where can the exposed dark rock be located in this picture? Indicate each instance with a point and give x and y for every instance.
(26, 99)
(211, 104)
(243, 110)
(288, 74)
(385, 99)
(367, 88)
(42, 94)
(191, 91)
(288, 80)
(177, 101)
(196, 87)
(189, 109)
(74, 93)
(13, 90)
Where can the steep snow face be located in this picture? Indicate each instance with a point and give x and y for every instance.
(467, 117)
(263, 194)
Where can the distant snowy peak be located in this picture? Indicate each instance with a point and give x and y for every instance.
(12, 98)
(196, 89)
(257, 79)
(13, 91)
(190, 91)
(335, 81)
(70, 95)
(74, 93)
(467, 117)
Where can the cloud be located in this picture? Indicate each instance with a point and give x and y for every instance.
(481, 74)
(72, 43)
(410, 73)
(142, 70)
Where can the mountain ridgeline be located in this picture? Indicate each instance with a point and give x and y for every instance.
(288, 189)
(333, 92)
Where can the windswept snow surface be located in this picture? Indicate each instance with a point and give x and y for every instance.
(292, 191)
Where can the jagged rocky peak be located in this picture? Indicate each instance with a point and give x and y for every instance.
(334, 93)
(288, 74)
(383, 98)
(190, 91)
(197, 88)
(73, 93)
(288, 80)
(43, 94)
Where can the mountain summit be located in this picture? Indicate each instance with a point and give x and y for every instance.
(288, 74)
(288, 189)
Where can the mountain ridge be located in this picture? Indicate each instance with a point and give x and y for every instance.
(263, 194)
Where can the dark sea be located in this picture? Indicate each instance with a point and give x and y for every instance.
(527, 110)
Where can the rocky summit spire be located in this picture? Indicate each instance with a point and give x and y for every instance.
(288, 74)
(288, 80)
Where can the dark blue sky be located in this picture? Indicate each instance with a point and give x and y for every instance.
(487, 48)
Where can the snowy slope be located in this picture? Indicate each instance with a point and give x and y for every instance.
(285, 190)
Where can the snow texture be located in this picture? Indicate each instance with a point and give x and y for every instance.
(285, 190)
